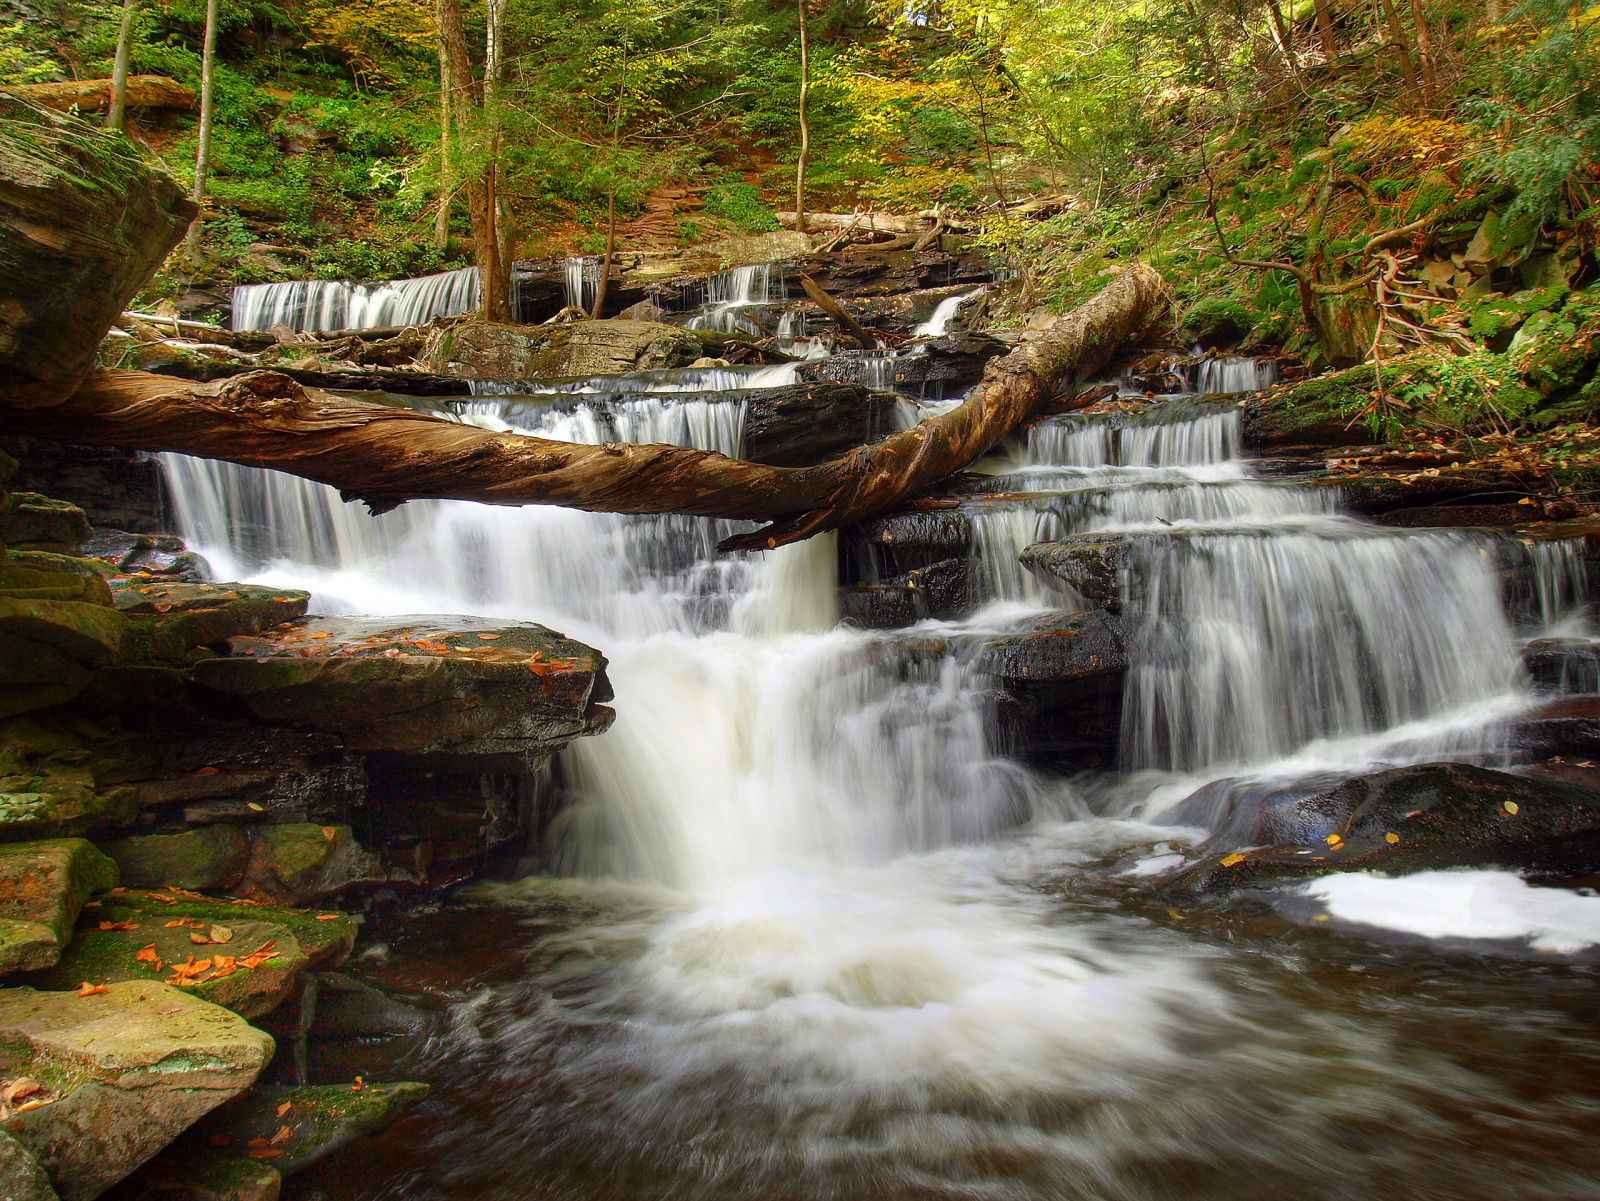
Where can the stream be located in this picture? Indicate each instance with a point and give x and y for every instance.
(801, 932)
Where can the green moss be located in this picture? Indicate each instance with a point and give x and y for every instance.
(1216, 321)
(1493, 318)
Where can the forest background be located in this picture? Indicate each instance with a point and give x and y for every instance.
(1347, 179)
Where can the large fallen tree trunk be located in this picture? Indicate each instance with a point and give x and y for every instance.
(386, 456)
(94, 95)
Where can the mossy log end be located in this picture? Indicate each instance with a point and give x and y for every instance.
(386, 456)
(84, 224)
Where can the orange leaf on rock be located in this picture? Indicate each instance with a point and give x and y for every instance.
(88, 990)
(1230, 860)
(119, 925)
(284, 1108)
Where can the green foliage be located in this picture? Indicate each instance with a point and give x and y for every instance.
(741, 204)
(1216, 321)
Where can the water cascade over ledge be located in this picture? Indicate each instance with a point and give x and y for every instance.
(334, 304)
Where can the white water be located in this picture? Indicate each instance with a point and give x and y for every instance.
(1229, 375)
(736, 300)
(323, 304)
(582, 278)
(936, 325)
(818, 921)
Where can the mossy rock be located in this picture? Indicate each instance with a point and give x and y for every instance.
(167, 619)
(1216, 322)
(321, 1119)
(211, 1177)
(1493, 319)
(35, 522)
(178, 927)
(208, 858)
(43, 886)
(48, 784)
(301, 862)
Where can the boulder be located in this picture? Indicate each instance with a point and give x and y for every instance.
(1563, 665)
(319, 1120)
(463, 685)
(129, 1068)
(208, 1178)
(807, 424)
(84, 223)
(1091, 565)
(301, 863)
(34, 522)
(43, 886)
(211, 858)
(942, 591)
(241, 956)
(348, 1008)
(21, 1177)
(48, 782)
(167, 619)
(1057, 648)
(582, 348)
(1433, 815)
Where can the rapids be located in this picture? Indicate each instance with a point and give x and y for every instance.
(800, 933)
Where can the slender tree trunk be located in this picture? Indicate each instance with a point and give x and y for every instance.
(1281, 36)
(441, 221)
(465, 132)
(805, 126)
(117, 113)
(1494, 17)
(611, 197)
(493, 264)
(202, 160)
(1419, 22)
(983, 131)
(1397, 38)
(386, 456)
(1330, 44)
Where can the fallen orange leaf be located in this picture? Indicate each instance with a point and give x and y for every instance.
(119, 925)
(284, 1108)
(88, 990)
(329, 917)
(1230, 860)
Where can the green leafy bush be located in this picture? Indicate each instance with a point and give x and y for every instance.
(741, 204)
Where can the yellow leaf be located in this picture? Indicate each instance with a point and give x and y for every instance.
(1391, 838)
(1334, 840)
(1230, 860)
(1510, 807)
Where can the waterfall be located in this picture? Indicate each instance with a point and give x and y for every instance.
(1228, 375)
(732, 295)
(1175, 434)
(582, 281)
(319, 304)
(936, 325)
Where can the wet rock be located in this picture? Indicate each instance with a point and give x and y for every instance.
(115, 487)
(807, 424)
(157, 555)
(426, 684)
(1057, 648)
(887, 548)
(35, 522)
(241, 956)
(48, 782)
(133, 1067)
(941, 591)
(43, 886)
(212, 858)
(320, 1120)
(582, 348)
(1568, 728)
(348, 1008)
(21, 1177)
(301, 863)
(1434, 815)
(168, 619)
(1563, 665)
(208, 1178)
(644, 310)
(1091, 565)
(956, 361)
(55, 627)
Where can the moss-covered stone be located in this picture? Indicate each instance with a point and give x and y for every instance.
(132, 1067)
(21, 1177)
(209, 858)
(46, 883)
(321, 1119)
(300, 863)
(35, 522)
(1216, 322)
(182, 928)
(208, 1177)
(168, 619)
(48, 784)
(1497, 316)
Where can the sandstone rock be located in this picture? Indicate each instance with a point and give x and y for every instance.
(184, 930)
(34, 522)
(43, 885)
(583, 348)
(210, 858)
(1092, 565)
(168, 619)
(21, 1177)
(1433, 815)
(134, 1067)
(464, 685)
(1055, 649)
(302, 863)
(48, 782)
(807, 424)
(321, 1119)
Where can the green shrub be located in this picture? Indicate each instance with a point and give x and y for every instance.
(741, 204)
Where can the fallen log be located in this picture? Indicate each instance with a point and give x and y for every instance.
(94, 95)
(834, 309)
(386, 456)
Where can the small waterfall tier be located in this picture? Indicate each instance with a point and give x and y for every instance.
(330, 304)
(582, 276)
(736, 300)
(1220, 376)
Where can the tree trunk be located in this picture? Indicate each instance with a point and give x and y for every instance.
(1419, 22)
(477, 185)
(202, 158)
(386, 456)
(611, 197)
(1330, 44)
(805, 127)
(441, 221)
(1281, 35)
(116, 114)
(494, 265)
(1397, 38)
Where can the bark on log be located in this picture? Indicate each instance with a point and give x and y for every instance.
(84, 224)
(94, 95)
(834, 309)
(386, 456)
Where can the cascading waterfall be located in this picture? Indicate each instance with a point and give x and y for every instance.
(330, 304)
(582, 277)
(936, 325)
(732, 296)
(801, 933)
(1230, 375)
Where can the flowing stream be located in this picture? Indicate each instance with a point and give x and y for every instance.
(801, 933)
